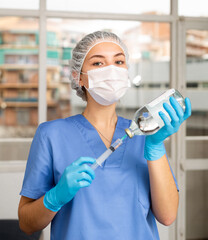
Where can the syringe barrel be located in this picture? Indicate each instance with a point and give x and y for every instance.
(101, 159)
(94, 165)
(117, 143)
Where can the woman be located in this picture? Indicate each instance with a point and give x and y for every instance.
(135, 184)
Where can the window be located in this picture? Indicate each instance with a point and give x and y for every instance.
(197, 80)
(129, 7)
(18, 76)
(20, 4)
(193, 8)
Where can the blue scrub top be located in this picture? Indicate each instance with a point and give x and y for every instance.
(116, 205)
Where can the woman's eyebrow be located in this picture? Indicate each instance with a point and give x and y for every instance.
(119, 54)
(96, 56)
(101, 56)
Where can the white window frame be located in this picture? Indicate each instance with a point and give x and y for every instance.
(183, 163)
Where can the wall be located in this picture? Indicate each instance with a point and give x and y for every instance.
(11, 177)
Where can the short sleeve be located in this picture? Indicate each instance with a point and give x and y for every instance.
(38, 177)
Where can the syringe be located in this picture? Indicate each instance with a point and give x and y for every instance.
(108, 152)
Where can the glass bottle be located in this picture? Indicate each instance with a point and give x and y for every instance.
(146, 120)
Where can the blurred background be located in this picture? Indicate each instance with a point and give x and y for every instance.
(168, 47)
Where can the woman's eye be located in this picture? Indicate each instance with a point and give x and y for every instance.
(97, 64)
(120, 62)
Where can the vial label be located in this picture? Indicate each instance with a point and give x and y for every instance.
(161, 98)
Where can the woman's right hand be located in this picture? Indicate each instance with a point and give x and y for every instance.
(77, 175)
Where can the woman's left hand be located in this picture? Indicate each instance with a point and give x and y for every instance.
(154, 147)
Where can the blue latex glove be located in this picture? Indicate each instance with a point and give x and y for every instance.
(154, 147)
(77, 175)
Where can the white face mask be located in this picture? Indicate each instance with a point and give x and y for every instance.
(108, 84)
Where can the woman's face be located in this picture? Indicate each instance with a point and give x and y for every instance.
(102, 55)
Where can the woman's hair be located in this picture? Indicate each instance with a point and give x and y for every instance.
(80, 52)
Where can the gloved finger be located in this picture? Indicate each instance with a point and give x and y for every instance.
(83, 184)
(87, 169)
(187, 113)
(165, 119)
(83, 160)
(177, 107)
(84, 177)
(173, 116)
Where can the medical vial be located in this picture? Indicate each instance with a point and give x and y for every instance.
(146, 120)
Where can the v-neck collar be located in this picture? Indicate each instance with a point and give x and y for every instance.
(101, 133)
(93, 138)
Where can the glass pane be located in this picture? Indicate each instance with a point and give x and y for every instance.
(193, 8)
(196, 204)
(149, 49)
(131, 7)
(20, 4)
(197, 149)
(18, 76)
(197, 80)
